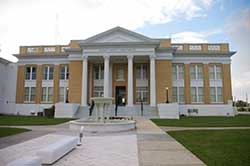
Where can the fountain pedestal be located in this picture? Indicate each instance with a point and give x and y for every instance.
(99, 123)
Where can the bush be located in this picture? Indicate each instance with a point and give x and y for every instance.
(242, 109)
(49, 112)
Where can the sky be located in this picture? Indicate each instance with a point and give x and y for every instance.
(38, 22)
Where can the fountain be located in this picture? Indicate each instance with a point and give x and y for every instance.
(102, 122)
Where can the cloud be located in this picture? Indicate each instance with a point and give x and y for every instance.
(34, 22)
(238, 30)
(194, 37)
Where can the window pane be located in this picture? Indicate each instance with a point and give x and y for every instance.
(211, 72)
(67, 72)
(44, 94)
(212, 95)
(61, 94)
(138, 71)
(33, 73)
(181, 71)
(62, 72)
(181, 94)
(50, 94)
(193, 94)
(144, 71)
(218, 72)
(200, 72)
(192, 72)
(120, 73)
(200, 94)
(219, 93)
(27, 73)
(45, 69)
(51, 72)
(26, 94)
(102, 72)
(32, 94)
(141, 93)
(174, 72)
(174, 95)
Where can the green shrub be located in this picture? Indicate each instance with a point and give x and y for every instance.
(242, 109)
(49, 112)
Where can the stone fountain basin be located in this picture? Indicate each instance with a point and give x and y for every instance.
(108, 126)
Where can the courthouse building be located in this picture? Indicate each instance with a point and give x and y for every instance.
(127, 66)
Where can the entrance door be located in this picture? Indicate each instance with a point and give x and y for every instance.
(120, 96)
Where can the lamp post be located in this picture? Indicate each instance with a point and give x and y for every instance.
(167, 95)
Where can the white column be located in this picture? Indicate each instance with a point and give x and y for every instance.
(84, 80)
(106, 76)
(130, 80)
(152, 81)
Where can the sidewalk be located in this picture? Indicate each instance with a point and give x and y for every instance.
(200, 128)
(148, 145)
(157, 148)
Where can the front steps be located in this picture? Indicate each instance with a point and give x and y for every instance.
(135, 111)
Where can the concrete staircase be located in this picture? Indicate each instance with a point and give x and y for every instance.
(135, 111)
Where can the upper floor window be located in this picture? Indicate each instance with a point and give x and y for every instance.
(32, 49)
(49, 49)
(120, 72)
(99, 72)
(178, 71)
(30, 73)
(29, 94)
(215, 72)
(213, 47)
(141, 71)
(197, 95)
(64, 72)
(196, 72)
(48, 72)
(195, 47)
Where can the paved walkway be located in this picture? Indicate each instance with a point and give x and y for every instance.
(156, 148)
(201, 128)
(148, 145)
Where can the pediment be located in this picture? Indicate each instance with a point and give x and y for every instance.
(117, 35)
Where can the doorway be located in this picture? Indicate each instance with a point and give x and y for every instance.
(120, 95)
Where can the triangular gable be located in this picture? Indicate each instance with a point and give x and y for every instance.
(117, 34)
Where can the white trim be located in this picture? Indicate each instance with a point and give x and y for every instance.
(201, 59)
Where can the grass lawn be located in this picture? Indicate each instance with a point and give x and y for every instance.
(217, 148)
(237, 121)
(6, 131)
(13, 120)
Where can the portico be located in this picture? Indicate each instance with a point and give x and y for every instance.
(119, 71)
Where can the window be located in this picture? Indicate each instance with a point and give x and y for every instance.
(63, 94)
(120, 72)
(197, 95)
(213, 47)
(99, 72)
(49, 49)
(98, 91)
(196, 72)
(29, 94)
(48, 72)
(141, 94)
(30, 73)
(195, 47)
(178, 94)
(47, 94)
(32, 49)
(64, 73)
(215, 72)
(178, 71)
(141, 71)
(216, 95)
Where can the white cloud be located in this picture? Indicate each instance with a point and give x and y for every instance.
(193, 37)
(31, 22)
(238, 29)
